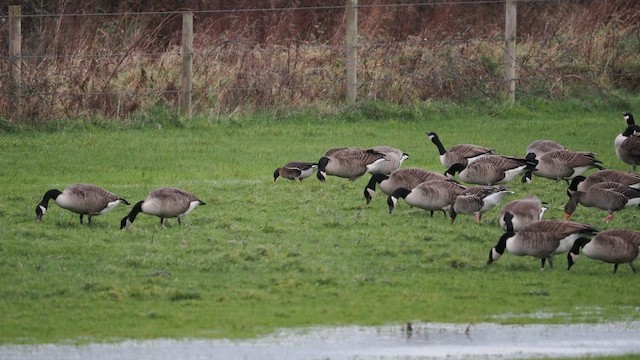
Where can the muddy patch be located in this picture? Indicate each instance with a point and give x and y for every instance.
(418, 341)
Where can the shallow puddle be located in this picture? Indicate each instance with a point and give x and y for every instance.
(425, 341)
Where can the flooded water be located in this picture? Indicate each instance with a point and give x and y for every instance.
(425, 341)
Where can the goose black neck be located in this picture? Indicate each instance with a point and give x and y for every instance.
(51, 194)
(436, 140)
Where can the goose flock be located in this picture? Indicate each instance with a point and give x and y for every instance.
(479, 187)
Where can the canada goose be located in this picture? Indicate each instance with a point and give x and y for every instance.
(462, 153)
(406, 178)
(582, 183)
(541, 147)
(491, 169)
(83, 199)
(350, 163)
(563, 164)
(295, 170)
(627, 146)
(164, 202)
(393, 160)
(523, 211)
(541, 239)
(610, 196)
(477, 200)
(430, 195)
(613, 246)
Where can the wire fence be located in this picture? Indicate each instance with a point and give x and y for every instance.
(79, 64)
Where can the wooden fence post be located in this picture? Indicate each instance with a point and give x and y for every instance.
(510, 49)
(351, 50)
(187, 64)
(15, 59)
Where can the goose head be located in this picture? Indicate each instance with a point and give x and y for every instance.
(42, 207)
(628, 117)
(455, 168)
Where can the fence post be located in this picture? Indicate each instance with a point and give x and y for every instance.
(510, 49)
(15, 59)
(187, 64)
(351, 50)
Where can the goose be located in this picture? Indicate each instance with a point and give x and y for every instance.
(393, 160)
(350, 163)
(295, 170)
(430, 195)
(541, 239)
(614, 246)
(491, 169)
(524, 211)
(461, 153)
(610, 196)
(541, 147)
(627, 146)
(583, 183)
(164, 202)
(478, 200)
(562, 164)
(406, 178)
(83, 199)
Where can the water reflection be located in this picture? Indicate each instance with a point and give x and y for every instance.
(408, 341)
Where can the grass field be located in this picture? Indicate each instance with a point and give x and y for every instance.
(262, 255)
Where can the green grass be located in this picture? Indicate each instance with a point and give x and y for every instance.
(262, 255)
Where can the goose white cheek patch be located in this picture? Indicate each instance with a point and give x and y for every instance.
(43, 209)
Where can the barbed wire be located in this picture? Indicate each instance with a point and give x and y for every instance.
(277, 48)
(281, 9)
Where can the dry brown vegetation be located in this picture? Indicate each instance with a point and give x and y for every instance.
(285, 56)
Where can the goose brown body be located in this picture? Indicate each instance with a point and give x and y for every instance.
(564, 164)
(627, 146)
(430, 195)
(477, 200)
(393, 159)
(406, 178)
(491, 169)
(525, 211)
(350, 163)
(165, 202)
(583, 183)
(295, 170)
(541, 239)
(83, 199)
(461, 153)
(609, 196)
(614, 246)
(541, 147)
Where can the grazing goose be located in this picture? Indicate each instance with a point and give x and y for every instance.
(393, 160)
(523, 211)
(541, 147)
(83, 199)
(613, 246)
(627, 146)
(562, 164)
(406, 178)
(541, 239)
(165, 202)
(610, 196)
(430, 195)
(350, 163)
(462, 153)
(477, 200)
(295, 170)
(582, 183)
(491, 169)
